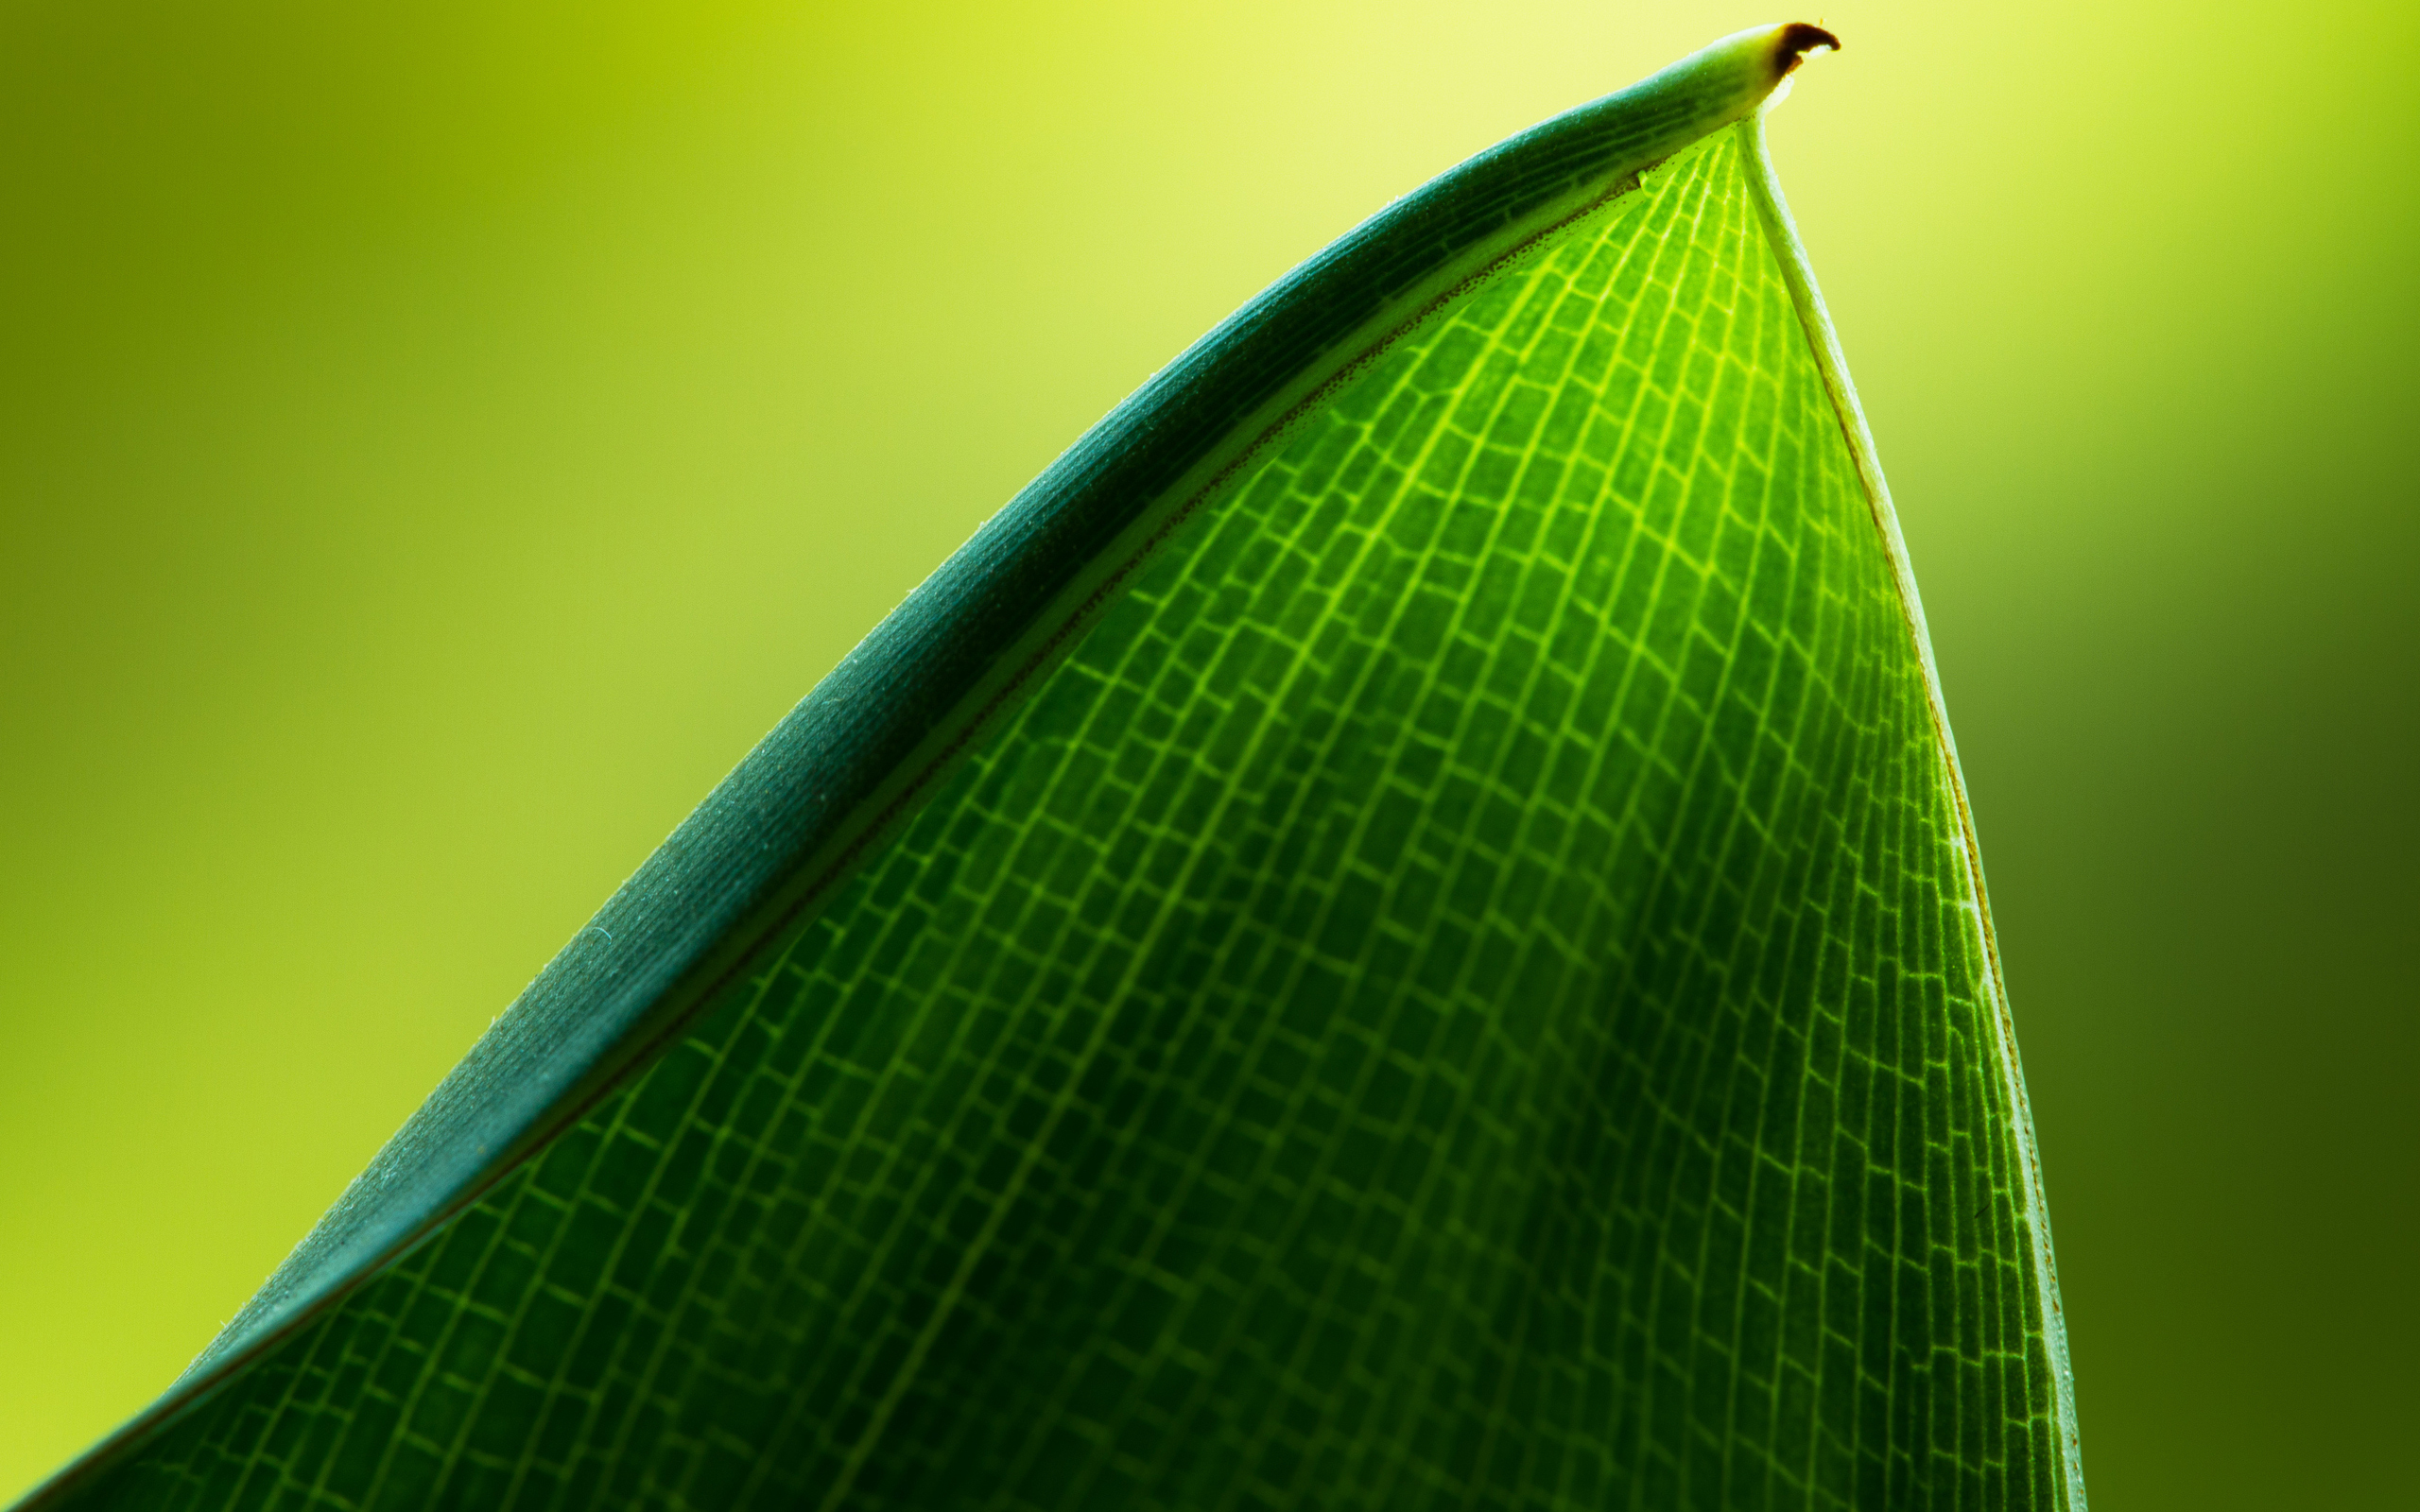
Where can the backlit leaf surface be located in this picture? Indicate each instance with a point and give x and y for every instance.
(1442, 966)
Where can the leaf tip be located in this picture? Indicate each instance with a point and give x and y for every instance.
(1793, 43)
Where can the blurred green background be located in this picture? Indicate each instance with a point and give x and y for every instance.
(436, 441)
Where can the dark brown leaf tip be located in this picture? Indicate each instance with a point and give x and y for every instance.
(1797, 40)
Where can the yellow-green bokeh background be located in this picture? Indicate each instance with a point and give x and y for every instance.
(435, 443)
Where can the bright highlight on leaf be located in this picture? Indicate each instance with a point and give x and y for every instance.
(1400, 931)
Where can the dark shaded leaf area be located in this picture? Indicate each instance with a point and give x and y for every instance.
(1463, 991)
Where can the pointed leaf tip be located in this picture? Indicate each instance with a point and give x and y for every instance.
(1796, 40)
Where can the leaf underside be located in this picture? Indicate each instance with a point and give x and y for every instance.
(1463, 988)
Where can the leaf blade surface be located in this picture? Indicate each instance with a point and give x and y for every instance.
(1460, 978)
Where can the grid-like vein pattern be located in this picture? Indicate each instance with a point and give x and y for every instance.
(1461, 993)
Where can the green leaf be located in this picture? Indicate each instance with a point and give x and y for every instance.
(1400, 929)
